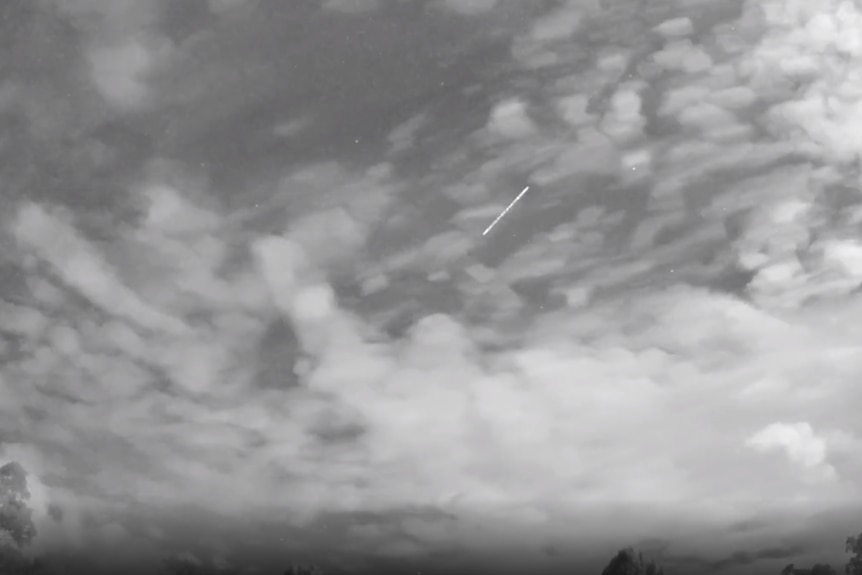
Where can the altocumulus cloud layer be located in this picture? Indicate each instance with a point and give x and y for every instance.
(135, 372)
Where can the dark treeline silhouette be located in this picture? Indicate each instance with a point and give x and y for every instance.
(817, 569)
(17, 531)
(16, 523)
(853, 566)
(627, 562)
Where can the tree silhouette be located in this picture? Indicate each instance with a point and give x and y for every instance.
(854, 547)
(16, 523)
(16, 518)
(627, 562)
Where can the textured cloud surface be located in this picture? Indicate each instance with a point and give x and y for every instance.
(204, 357)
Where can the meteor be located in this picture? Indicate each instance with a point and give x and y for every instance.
(504, 212)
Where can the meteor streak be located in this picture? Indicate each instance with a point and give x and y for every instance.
(509, 207)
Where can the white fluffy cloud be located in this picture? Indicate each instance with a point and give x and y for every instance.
(798, 441)
(510, 119)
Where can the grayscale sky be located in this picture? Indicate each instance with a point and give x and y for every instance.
(246, 302)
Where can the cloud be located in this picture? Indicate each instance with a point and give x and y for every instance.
(84, 268)
(566, 424)
(144, 357)
(224, 6)
(469, 7)
(120, 70)
(510, 119)
(560, 24)
(798, 441)
(115, 18)
(122, 46)
(351, 6)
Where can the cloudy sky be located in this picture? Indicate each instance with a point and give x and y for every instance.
(245, 282)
